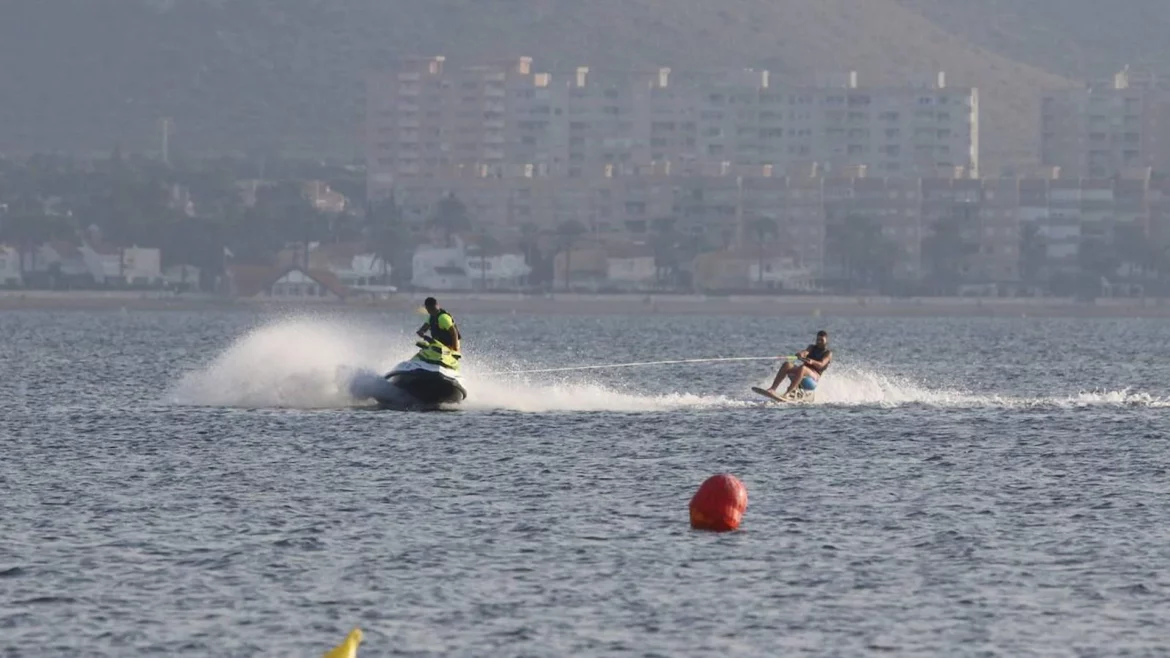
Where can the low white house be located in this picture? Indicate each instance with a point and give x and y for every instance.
(64, 257)
(139, 266)
(780, 272)
(297, 283)
(741, 270)
(499, 272)
(441, 268)
(10, 274)
(365, 272)
(354, 265)
(104, 263)
(182, 277)
(631, 267)
(142, 265)
(288, 283)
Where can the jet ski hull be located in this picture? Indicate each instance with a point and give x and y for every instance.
(427, 381)
(427, 384)
(429, 388)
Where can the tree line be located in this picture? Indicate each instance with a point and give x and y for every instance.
(135, 201)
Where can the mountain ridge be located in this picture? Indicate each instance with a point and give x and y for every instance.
(236, 75)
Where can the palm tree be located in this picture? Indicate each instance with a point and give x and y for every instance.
(1160, 259)
(567, 235)
(391, 239)
(665, 244)
(947, 247)
(29, 231)
(762, 228)
(450, 217)
(530, 247)
(1098, 259)
(1132, 246)
(864, 253)
(1033, 253)
(693, 240)
(489, 245)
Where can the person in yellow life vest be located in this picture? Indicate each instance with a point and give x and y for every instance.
(441, 325)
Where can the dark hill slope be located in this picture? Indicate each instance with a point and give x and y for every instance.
(236, 74)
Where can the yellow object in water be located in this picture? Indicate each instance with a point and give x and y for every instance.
(347, 649)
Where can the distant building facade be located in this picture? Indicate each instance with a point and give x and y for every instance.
(428, 119)
(797, 219)
(1107, 127)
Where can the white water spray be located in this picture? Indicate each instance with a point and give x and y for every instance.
(309, 363)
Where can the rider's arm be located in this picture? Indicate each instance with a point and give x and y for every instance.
(423, 329)
(820, 365)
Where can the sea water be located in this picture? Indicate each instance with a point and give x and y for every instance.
(206, 484)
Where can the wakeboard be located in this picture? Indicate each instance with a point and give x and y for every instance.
(775, 398)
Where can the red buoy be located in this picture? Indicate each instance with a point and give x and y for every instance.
(719, 504)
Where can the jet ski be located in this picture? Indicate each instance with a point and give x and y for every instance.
(431, 377)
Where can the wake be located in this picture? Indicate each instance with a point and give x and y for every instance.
(312, 363)
(851, 386)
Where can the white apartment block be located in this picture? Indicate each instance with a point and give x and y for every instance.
(1106, 128)
(428, 119)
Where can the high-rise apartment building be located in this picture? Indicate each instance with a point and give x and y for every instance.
(915, 130)
(1106, 128)
(429, 119)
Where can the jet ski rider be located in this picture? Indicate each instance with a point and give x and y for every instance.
(441, 325)
(816, 359)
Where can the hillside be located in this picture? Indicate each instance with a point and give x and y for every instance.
(1078, 38)
(288, 74)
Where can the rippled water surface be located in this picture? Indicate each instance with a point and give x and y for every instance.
(202, 484)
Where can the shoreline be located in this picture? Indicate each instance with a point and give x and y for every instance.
(599, 304)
